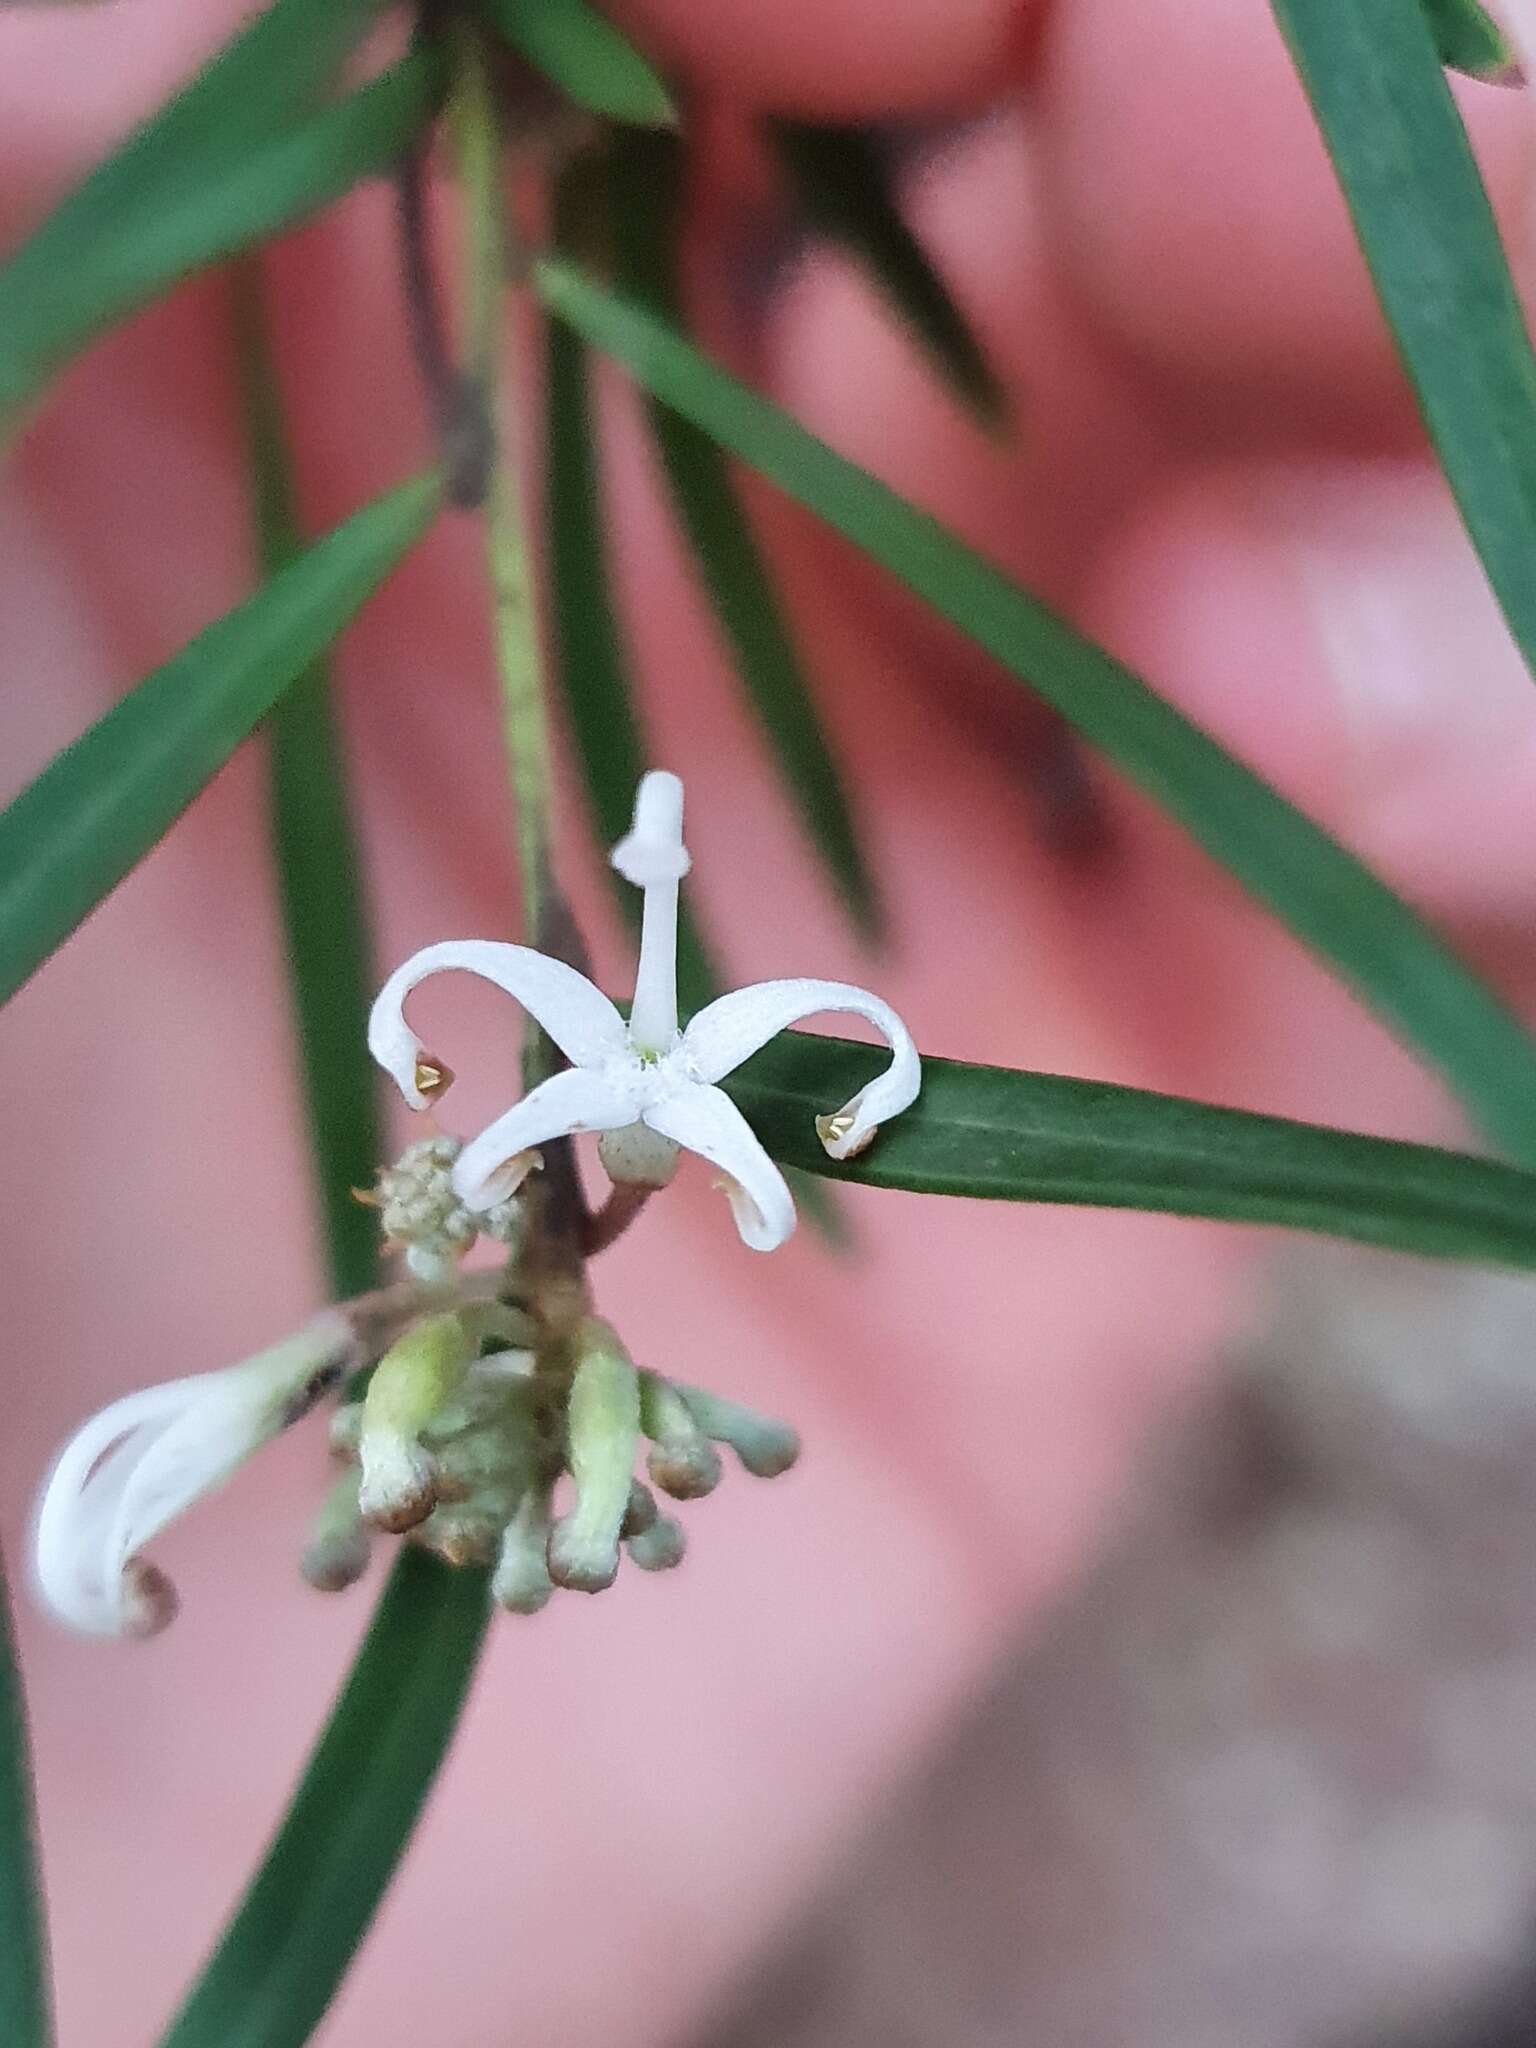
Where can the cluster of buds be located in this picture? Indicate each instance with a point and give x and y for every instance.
(495, 1441)
(423, 1217)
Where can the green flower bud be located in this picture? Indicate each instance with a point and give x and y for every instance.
(336, 1555)
(521, 1581)
(419, 1373)
(683, 1462)
(659, 1548)
(641, 1512)
(765, 1447)
(602, 1428)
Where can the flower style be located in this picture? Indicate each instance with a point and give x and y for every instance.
(147, 1458)
(648, 1088)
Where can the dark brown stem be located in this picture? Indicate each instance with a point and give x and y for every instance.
(624, 1203)
(457, 401)
(563, 1219)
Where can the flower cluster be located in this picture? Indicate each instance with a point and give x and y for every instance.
(465, 1452)
(423, 1216)
(503, 1419)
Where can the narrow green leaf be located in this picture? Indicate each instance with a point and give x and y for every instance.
(1469, 41)
(25, 2018)
(179, 195)
(645, 185)
(1327, 897)
(99, 806)
(1423, 221)
(592, 673)
(1008, 1136)
(847, 191)
(325, 918)
(581, 52)
(309, 1905)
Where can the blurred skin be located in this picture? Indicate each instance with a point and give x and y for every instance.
(1217, 470)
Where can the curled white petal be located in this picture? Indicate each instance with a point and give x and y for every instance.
(733, 1027)
(577, 1015)
(1517, 18)
(580, 1099)
(709, 1123)
(144, 1460)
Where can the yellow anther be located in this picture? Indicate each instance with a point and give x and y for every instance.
(432, 1077)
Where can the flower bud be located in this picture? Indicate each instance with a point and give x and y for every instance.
(468, 1532)
(521, 1581)
(419, 1373)
(641, 1512)
(346, 1430)
(336, 1555)
(682, 1461)
(765, 1447)
(659, 1548)
(602, 1426)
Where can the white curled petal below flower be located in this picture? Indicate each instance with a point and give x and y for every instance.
(733, 1027)
(577, 1016)
(141, 1462)
(1517, 18)
(495, 1163)
(706, 1121)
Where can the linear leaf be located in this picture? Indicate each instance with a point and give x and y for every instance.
(325, 917)
(846, 189)
(100, 805)
(1004, 1135)
(309, 1905)
(1322, 892)
(645, 184)
(581, 52)
(592, 672)
(180, 194)
(1427, 232)
(25, 2019)
(1469, 41)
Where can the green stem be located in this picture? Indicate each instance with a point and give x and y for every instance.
(477, 141)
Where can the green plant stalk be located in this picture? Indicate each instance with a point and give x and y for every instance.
(525, 719)
(25, 2006)
(324, 911)
(1332, 902)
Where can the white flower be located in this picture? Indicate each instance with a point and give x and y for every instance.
(648, 1087)
(138, 1464)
